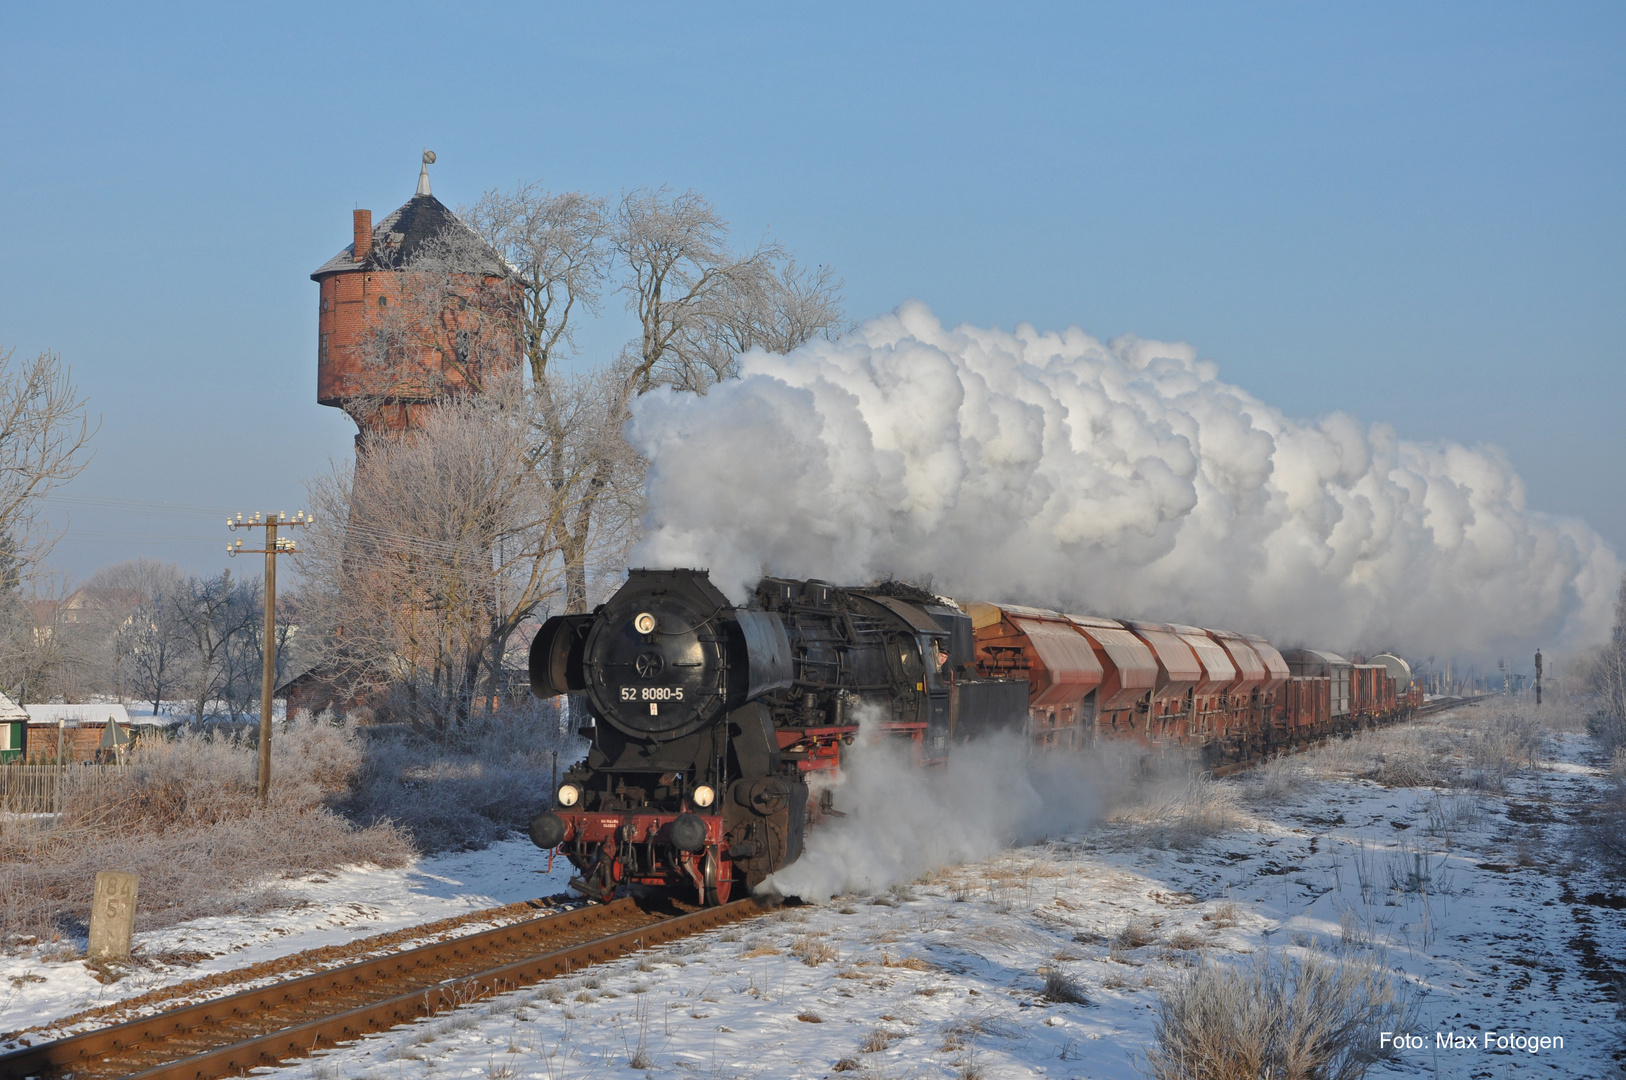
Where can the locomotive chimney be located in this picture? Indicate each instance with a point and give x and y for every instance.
(363, 225)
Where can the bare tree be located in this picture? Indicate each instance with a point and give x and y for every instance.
(778, 311)
(243, 658)
(1603, 669)
(44, 443)
(46, 651)
(554, 245)
(557, 249)
(112, 597)
(213, 612)
(682, 280)
(438, 543)
(155, 650)
(698, 304)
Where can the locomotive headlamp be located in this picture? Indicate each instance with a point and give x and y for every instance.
(569, 794)
(704, 796)
(644, 623)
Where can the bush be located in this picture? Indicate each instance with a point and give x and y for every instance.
(1608, 728)
(464, 788)
(184, 815)
(1279, 778)
(1604, 836)
(1301, 1018)
(1062, 989)
(1508, 739)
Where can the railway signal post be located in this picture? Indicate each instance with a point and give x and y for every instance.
(274, 545)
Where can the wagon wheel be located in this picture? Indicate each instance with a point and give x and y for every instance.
(717, 892)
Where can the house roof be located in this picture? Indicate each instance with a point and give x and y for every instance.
(10, 711)
(74, 715)
(398, 238)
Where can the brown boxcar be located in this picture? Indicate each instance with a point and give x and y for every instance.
(1208, 700)
(1059, 664)
(1308, 707)
(1314, 663)
(1241, 734)
(1122, 703)
(1178, 673)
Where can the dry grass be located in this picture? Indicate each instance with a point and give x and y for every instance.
(1308, 1018)
(1225, 914)
(184, 816)
(1403, 755)
(1472, 747)
(1507, 740)
(1180, 815)
(1279, 778)
(1186, 940)
(1137, 933)
(813, 949)
(1061, 988)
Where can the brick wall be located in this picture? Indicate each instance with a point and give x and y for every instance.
(351, 303)
(79, 743)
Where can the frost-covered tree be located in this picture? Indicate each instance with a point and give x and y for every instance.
(1605, 673)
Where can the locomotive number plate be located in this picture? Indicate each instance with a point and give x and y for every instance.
(652, 693)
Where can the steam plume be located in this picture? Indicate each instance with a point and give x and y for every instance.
(901, 822)
(1119, 478)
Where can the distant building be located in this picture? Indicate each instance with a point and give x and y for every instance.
(357, 288)
(83, 732)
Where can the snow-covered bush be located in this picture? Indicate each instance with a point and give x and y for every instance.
(461, 788)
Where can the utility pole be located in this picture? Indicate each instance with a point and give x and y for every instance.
(274, 546)
(1538, 677)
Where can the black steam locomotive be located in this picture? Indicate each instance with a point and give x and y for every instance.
(718, 731)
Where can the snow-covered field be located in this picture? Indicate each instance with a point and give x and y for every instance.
(1477, 900)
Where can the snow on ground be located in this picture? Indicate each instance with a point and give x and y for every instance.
(323, 909)
(1476, 900)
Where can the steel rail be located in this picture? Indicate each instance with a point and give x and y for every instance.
(218, 1038)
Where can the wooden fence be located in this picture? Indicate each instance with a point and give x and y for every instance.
(34, 789)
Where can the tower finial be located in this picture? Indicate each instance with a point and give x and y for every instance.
(423, 174)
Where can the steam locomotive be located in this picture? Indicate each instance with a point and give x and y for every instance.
(719, 730)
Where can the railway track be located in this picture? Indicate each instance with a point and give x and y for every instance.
(231, 1035)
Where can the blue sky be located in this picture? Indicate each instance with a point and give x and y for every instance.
(1413, 213)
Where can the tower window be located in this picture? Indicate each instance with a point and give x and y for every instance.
(383, 301)
(324, 346)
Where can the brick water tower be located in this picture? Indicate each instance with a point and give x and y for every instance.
(399, 308)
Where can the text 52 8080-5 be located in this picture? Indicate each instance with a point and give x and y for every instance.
(652, 693)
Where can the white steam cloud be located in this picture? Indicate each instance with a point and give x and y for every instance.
(901, 821)
(1119, 478)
